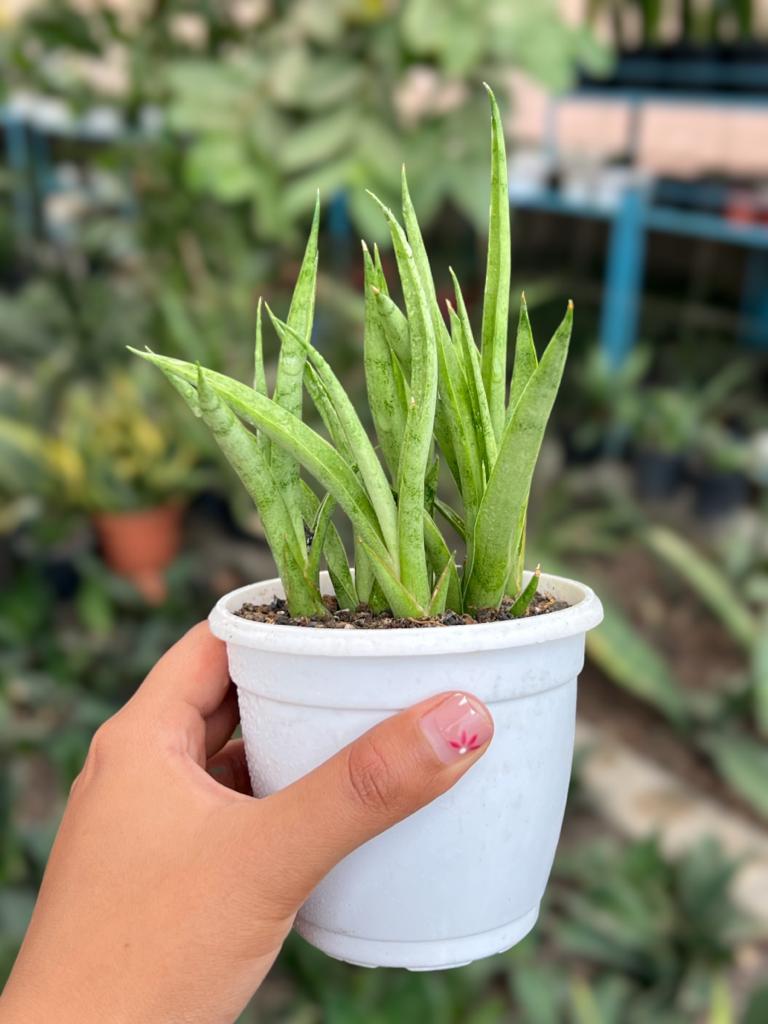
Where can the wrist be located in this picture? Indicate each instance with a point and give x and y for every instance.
(24, 1003)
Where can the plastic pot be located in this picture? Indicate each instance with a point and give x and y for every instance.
(463, 878)
(141, 545)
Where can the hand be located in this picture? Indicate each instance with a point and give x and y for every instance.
(170, 889)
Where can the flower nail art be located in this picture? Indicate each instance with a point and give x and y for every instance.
(457, 726)
(465, 742)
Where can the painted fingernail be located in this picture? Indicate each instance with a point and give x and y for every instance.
(458, 725)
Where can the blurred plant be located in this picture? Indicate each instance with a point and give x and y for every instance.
(276, 100)
(354, 91)
(91, 316)
(686, 418)
(109, 450)
(602, 402)
(666, 926)
(717, 21)
(128, 458)
(588, 514)
(740, 605)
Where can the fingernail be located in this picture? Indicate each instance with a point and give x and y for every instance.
(457, 726)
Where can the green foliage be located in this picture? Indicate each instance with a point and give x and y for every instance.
(107, 451)
(353, 93)
(631, 661)
(687, 419)
(664, 925)
(443, 390)
(707, 581)
(743, 763)
(350, 90)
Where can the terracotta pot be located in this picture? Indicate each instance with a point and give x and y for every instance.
(141, 545)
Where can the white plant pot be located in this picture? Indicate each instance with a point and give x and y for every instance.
(462, 878)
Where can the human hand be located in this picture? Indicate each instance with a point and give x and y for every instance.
(170, 889)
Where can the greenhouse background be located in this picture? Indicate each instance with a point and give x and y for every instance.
(161, 160)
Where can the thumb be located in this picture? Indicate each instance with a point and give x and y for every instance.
(388, 773)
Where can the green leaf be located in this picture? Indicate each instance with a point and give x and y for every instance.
(319, 140)
(493, 349)
(395, 327)
(298, 579)
(328, 414)
(437, 602)
(526, 359)
(708, 582)
(417, 439)
(401, 601)
(368, 465)
(290, 368)
(439, 556)
(756, 1011)
(452, 516)
(319, 535)
(527, 594)
(760, 677)
(244, 454)
(381, 280)
(500, 520)
(259, 376)
(385, 385)
(335, 555)
(539, 992)
(447, 426)
(621, 652)
(477, 389)
(368, 590)
(743, 763)
(457, 407)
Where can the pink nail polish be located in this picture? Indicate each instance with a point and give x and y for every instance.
(457, 726)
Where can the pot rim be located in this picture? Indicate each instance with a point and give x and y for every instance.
(585, 612)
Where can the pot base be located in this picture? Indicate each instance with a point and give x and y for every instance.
(429, 955)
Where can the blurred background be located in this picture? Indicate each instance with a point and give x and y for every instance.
(159, 165)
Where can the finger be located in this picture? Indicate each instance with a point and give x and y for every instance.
(220, 725)
(387, 774)
(193, 672)
(229, 768)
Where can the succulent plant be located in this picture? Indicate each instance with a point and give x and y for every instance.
(434, 396)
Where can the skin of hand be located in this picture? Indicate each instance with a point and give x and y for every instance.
(170, 889)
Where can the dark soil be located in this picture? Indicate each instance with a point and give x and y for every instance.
(276, 613)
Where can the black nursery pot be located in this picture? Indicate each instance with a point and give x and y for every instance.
(657, 474)
(719, 493)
